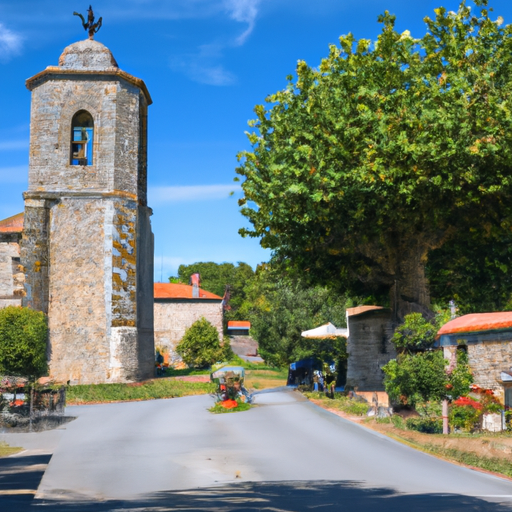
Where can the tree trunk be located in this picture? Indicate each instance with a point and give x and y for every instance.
(410, 291)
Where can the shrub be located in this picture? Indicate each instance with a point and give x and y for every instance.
(397, 421)
(200, 346)
(23, 334)
(465, 417)
(425, 425)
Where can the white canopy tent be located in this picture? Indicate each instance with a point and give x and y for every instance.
(325, 331)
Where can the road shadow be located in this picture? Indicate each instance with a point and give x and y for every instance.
(274, 496)
(20, 477)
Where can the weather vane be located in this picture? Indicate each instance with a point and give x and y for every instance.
(90, 25)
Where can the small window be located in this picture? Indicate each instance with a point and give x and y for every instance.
(82, 135)
(508, 398)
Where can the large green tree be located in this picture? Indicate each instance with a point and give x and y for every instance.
(384, 153)
(280, 308)
(217, 277)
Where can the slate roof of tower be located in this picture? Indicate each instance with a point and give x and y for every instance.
(87, 57)
(180, 291)
(12, 224)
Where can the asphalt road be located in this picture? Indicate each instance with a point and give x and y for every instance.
(284, 455)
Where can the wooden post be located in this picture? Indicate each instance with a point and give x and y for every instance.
(445, 417)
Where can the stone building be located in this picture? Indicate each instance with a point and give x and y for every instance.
(87, 246)
(12, 278)
(487, 339)
(369, 346)
(176, 309)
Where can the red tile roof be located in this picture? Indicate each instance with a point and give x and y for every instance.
(361, 309)
(180, 291)
(13, 224)
(233, 324)
(477, 322)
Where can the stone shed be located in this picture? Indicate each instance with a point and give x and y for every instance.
(176, 308)
(12, 278)
(369, 347)
(487, 338)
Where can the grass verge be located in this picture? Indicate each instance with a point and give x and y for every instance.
(6, 450)
(340, 403)
(492, 464)
(148, 390)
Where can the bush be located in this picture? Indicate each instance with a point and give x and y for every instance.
(200, 346)
(23, 335)
(465, 417)
(425, 425)
(397, 421)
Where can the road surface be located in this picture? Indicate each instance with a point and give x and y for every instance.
(284, 455)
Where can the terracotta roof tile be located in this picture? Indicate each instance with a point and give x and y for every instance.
(234, 324)
(361, 309)
(180, 291)
(477, 322)
(12, 224)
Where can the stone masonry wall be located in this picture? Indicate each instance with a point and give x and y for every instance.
(369, 348)
(84, 256)
(34, 252)
(172, 318)
(487, 360)
(79, 309)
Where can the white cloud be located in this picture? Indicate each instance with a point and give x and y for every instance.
(243, 11)
(10, 43)
(16, 174)
(200, 67)
(14, 145)
(190, 193)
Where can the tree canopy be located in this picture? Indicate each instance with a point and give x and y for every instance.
(280, 308)
(215, 277)
(387, 151)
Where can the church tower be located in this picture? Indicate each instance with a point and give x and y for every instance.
(87, 245)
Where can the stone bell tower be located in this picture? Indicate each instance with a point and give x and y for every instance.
(87, 245)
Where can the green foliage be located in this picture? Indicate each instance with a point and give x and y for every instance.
(200, 346)
(460, 377)
(280, 308)
(414, 334)
(464, 417)
(218, 409)
(23, 334)
(413, 378)
(215, 277)
(425, 425)
(397, 421)
(364, 165)
(474, 271)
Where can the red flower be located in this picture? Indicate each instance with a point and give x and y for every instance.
(229, 404)
(464, 400)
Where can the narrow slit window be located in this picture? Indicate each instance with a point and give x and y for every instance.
(82, 135)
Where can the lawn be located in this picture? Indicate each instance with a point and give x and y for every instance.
(257, 376)
(6, 450)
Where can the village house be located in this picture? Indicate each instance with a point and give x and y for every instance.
(487, 339)
(12, 278)
(176, 307)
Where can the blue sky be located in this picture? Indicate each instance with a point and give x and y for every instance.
(206, 63)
